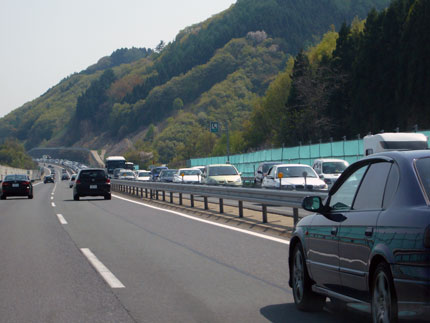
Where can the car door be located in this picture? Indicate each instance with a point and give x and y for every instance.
(323, 240)
(357, 231)
(269, 180)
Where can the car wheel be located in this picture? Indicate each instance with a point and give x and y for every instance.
(108, 197)
(304, 297)
(30, 196)
(384, 301)
(3, 197)
(76, 197)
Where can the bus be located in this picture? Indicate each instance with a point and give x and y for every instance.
(113, 162)
(129, 165)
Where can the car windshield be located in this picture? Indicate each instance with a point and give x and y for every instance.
(127, 174)
(296, 171)
(157, 171)
(168, 173)
(267, 166)
(222, 171)
(334, 167)
(189, 172)
(144, 174)
(15, 178)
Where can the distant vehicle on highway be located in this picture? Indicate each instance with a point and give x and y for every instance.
(391, 141)
(221, 174)
(48, 179)
(262, 171)
(129, 165)
(116, 172)
(293, 177)
(188, 175)
(126, 174)
(368, 244)
(155, 172)
(65, 177)
(16, 185)
(143, 176)
(113, 162)
(72, 180)
(167, 175)
(329, 170)
(92, 182)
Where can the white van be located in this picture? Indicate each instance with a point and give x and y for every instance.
(373, 144)
(329, 169)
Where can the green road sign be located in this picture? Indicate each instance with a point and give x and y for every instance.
(214, 126)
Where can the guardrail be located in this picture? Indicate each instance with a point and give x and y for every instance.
(264, 197)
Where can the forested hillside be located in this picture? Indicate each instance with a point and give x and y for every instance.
(371, 76)
(164, 99)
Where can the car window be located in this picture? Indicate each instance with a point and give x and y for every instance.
(372, 188)
(344, 196)
(272, 171)
(297, 171)
(422, 166)
(334, 167)
(222, 171)
(97, 174)
(392, 185)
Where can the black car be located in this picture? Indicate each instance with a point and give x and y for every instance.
(369, 243)
(92, 182)
(16, 185)
(65, 177)
(155, 172)
(48, 179)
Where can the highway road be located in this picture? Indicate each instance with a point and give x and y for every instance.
(119, 261)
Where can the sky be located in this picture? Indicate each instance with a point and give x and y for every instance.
(44, 41)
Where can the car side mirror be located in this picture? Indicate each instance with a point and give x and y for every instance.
(322, 176)
(259, 172)
(313, 204)
(32, 181)
(269, 177)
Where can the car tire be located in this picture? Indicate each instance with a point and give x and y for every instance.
(108, 197)
(76, 197)
(30, 196)
(384, 301)
(3, 197)
(304, 298)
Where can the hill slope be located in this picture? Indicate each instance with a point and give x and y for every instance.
(212, 70)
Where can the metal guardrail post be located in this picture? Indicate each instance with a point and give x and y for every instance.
(295, 216)
(164, 196)
(180, 198)
(146, 193)
(156, 195)
(264, 213)
(240, 209)
(171, 197)
(205, 198)
(221, 206)
(151, 193)
(141, 192)
(192, 200)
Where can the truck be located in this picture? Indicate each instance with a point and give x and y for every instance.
(113, 162)
(390, 141)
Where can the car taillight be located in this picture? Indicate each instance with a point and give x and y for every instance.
(25, 183)
(78, 181)
(427, 237)
(5, 184)
(107, 181)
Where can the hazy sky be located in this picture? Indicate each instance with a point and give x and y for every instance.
(43, 41)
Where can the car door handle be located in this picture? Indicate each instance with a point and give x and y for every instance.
(369, 232)
(334, 231)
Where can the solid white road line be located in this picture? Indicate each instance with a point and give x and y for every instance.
(107, 275)
(53, 204)
(61, 219)
(255, 234)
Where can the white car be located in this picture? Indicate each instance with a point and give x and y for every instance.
(293, 177)
(188, 175)
(221, 174)
(72, 180)
(126, 174)
(329, 170)
(143, 176)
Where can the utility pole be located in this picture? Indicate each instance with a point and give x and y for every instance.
(228, 143)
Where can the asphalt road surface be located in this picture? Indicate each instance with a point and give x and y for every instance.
(118, 261)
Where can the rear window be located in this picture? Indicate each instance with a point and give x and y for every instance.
(15, 178)
(92, 174)
(190, 172)
(142, 174)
